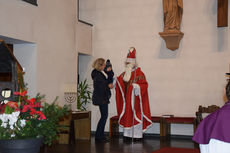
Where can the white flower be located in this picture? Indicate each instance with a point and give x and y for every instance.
(11, 127)
(22, 123)
(3, 117)
(16, 114)
(4, 125)
(10, 119)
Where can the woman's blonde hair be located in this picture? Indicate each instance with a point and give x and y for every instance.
(98, 63)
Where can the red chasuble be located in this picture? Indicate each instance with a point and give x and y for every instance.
(125, 93)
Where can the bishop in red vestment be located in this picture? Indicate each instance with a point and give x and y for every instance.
(132, 99)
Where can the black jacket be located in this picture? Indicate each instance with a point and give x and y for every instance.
(110, 76)
(101, 92)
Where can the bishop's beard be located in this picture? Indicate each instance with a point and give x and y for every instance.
(128, 72)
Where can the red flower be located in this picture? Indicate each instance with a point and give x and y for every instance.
(26, 108)
(2, 108)
(31, 100)
(32, 111)
(31, 108)
(38, 104)
(42, 116)
(21, 93)
(12, 104)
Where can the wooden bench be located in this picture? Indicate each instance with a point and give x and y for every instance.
(165, 124)
(114, 127)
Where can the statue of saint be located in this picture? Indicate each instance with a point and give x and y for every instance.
(173, 10)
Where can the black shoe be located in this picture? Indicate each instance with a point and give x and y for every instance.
(103, 140)
(129, 139)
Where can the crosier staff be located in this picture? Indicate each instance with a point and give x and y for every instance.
(134, 95)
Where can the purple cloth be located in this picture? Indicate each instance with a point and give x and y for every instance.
(215, 125)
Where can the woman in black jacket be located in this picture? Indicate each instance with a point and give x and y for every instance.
(101, 95)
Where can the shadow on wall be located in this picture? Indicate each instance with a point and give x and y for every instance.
(165, 53)
(222, 39)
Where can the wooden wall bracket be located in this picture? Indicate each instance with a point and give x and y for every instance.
(172, 39)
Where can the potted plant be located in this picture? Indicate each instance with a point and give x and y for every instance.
(26, 123)
(84, 95)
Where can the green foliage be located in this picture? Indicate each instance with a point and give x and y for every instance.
(53, 113)
(8, 110)
(34, 125)
(83, 95)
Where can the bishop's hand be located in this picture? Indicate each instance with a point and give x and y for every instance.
(136, 89)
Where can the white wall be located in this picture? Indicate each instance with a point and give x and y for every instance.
(26, 55)
(179, 81)
(84, 38)
(52, 27)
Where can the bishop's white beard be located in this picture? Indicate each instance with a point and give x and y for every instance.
(128, 72)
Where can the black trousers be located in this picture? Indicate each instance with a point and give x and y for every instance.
(101, 123)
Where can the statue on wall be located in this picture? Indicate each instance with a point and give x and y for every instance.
(173, 10)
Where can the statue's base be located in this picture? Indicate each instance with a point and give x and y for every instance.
(172, 38)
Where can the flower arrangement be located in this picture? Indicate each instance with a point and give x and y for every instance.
(30, 118)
